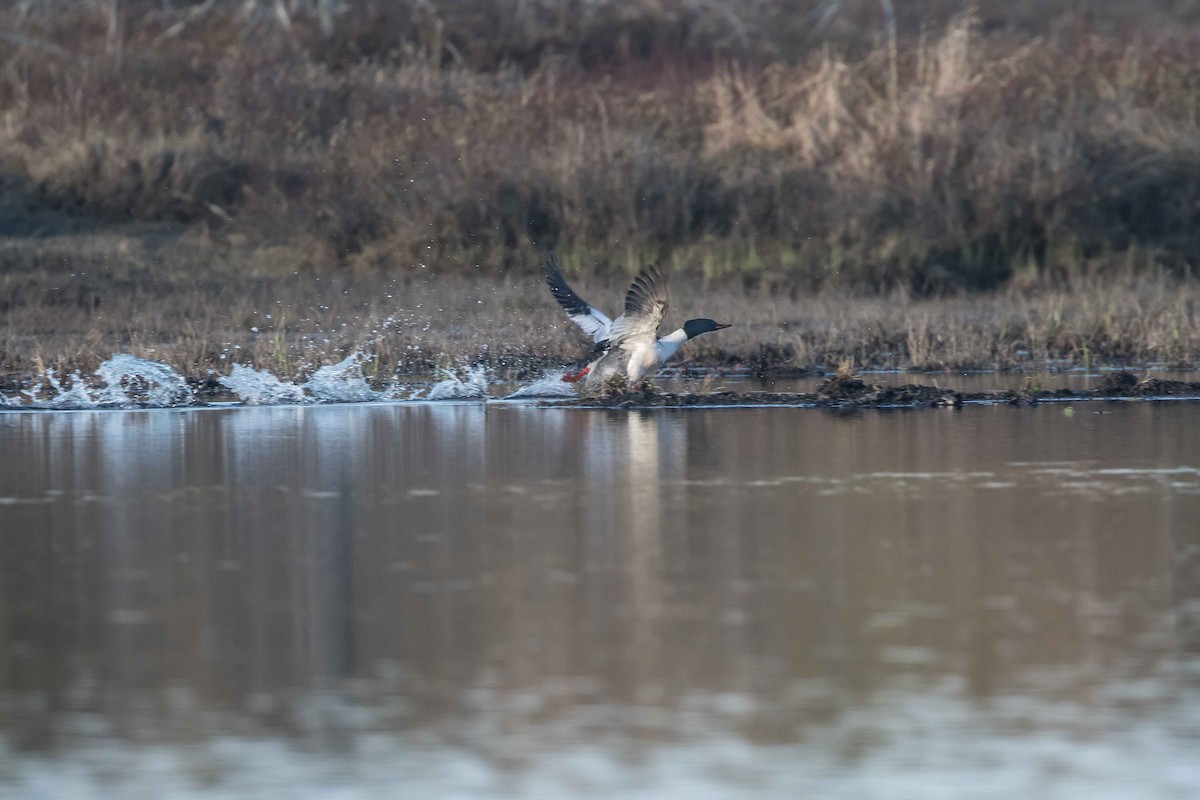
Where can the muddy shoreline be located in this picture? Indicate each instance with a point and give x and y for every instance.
(846, 392)
(853, 392)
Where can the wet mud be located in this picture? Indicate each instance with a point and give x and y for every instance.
(853, 392)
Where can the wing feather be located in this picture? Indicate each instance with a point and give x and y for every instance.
(645, 306)
(594, 323)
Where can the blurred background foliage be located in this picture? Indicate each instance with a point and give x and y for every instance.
(792, 145)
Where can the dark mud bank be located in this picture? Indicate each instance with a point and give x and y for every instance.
(853, 392)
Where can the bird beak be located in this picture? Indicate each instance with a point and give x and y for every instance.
(720, 326)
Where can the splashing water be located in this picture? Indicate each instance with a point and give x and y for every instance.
(130, 380)
(261, 387)
(473, 385)
(342, 382)
(125, 381)
(77, 396)
(549, 385)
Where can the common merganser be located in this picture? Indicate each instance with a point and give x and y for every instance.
(633, 334)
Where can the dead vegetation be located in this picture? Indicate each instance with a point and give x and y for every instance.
(68, 303)
(738, 141)
(172, 172)
(852, 394)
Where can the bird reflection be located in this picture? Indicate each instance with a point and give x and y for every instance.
(644, 564)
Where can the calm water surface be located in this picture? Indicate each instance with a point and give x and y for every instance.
(435, 601)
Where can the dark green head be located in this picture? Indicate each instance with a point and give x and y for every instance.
(695, 327)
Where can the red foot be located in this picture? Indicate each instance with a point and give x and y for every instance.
(576, 377)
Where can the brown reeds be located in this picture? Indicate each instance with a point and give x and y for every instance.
(69, 304)
(205, 154)
(958, 158)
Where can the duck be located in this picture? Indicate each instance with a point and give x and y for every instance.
(633, 336)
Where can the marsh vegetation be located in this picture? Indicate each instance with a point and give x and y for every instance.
(952, 186)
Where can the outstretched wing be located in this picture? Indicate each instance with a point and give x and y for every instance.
(645, 307)
(594, 323)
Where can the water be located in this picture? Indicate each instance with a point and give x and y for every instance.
(470, 600)
(124, 381)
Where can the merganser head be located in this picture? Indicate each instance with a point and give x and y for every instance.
(695, 327)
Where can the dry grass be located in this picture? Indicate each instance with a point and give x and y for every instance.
(68, 306)
(471, 136)
(171, 173)
(966, 162)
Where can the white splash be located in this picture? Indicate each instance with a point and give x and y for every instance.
(77, 396)
(261, 387)
(473, 384)
(131, 380)
(127, 381)
(549, 385)
(342, 382)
